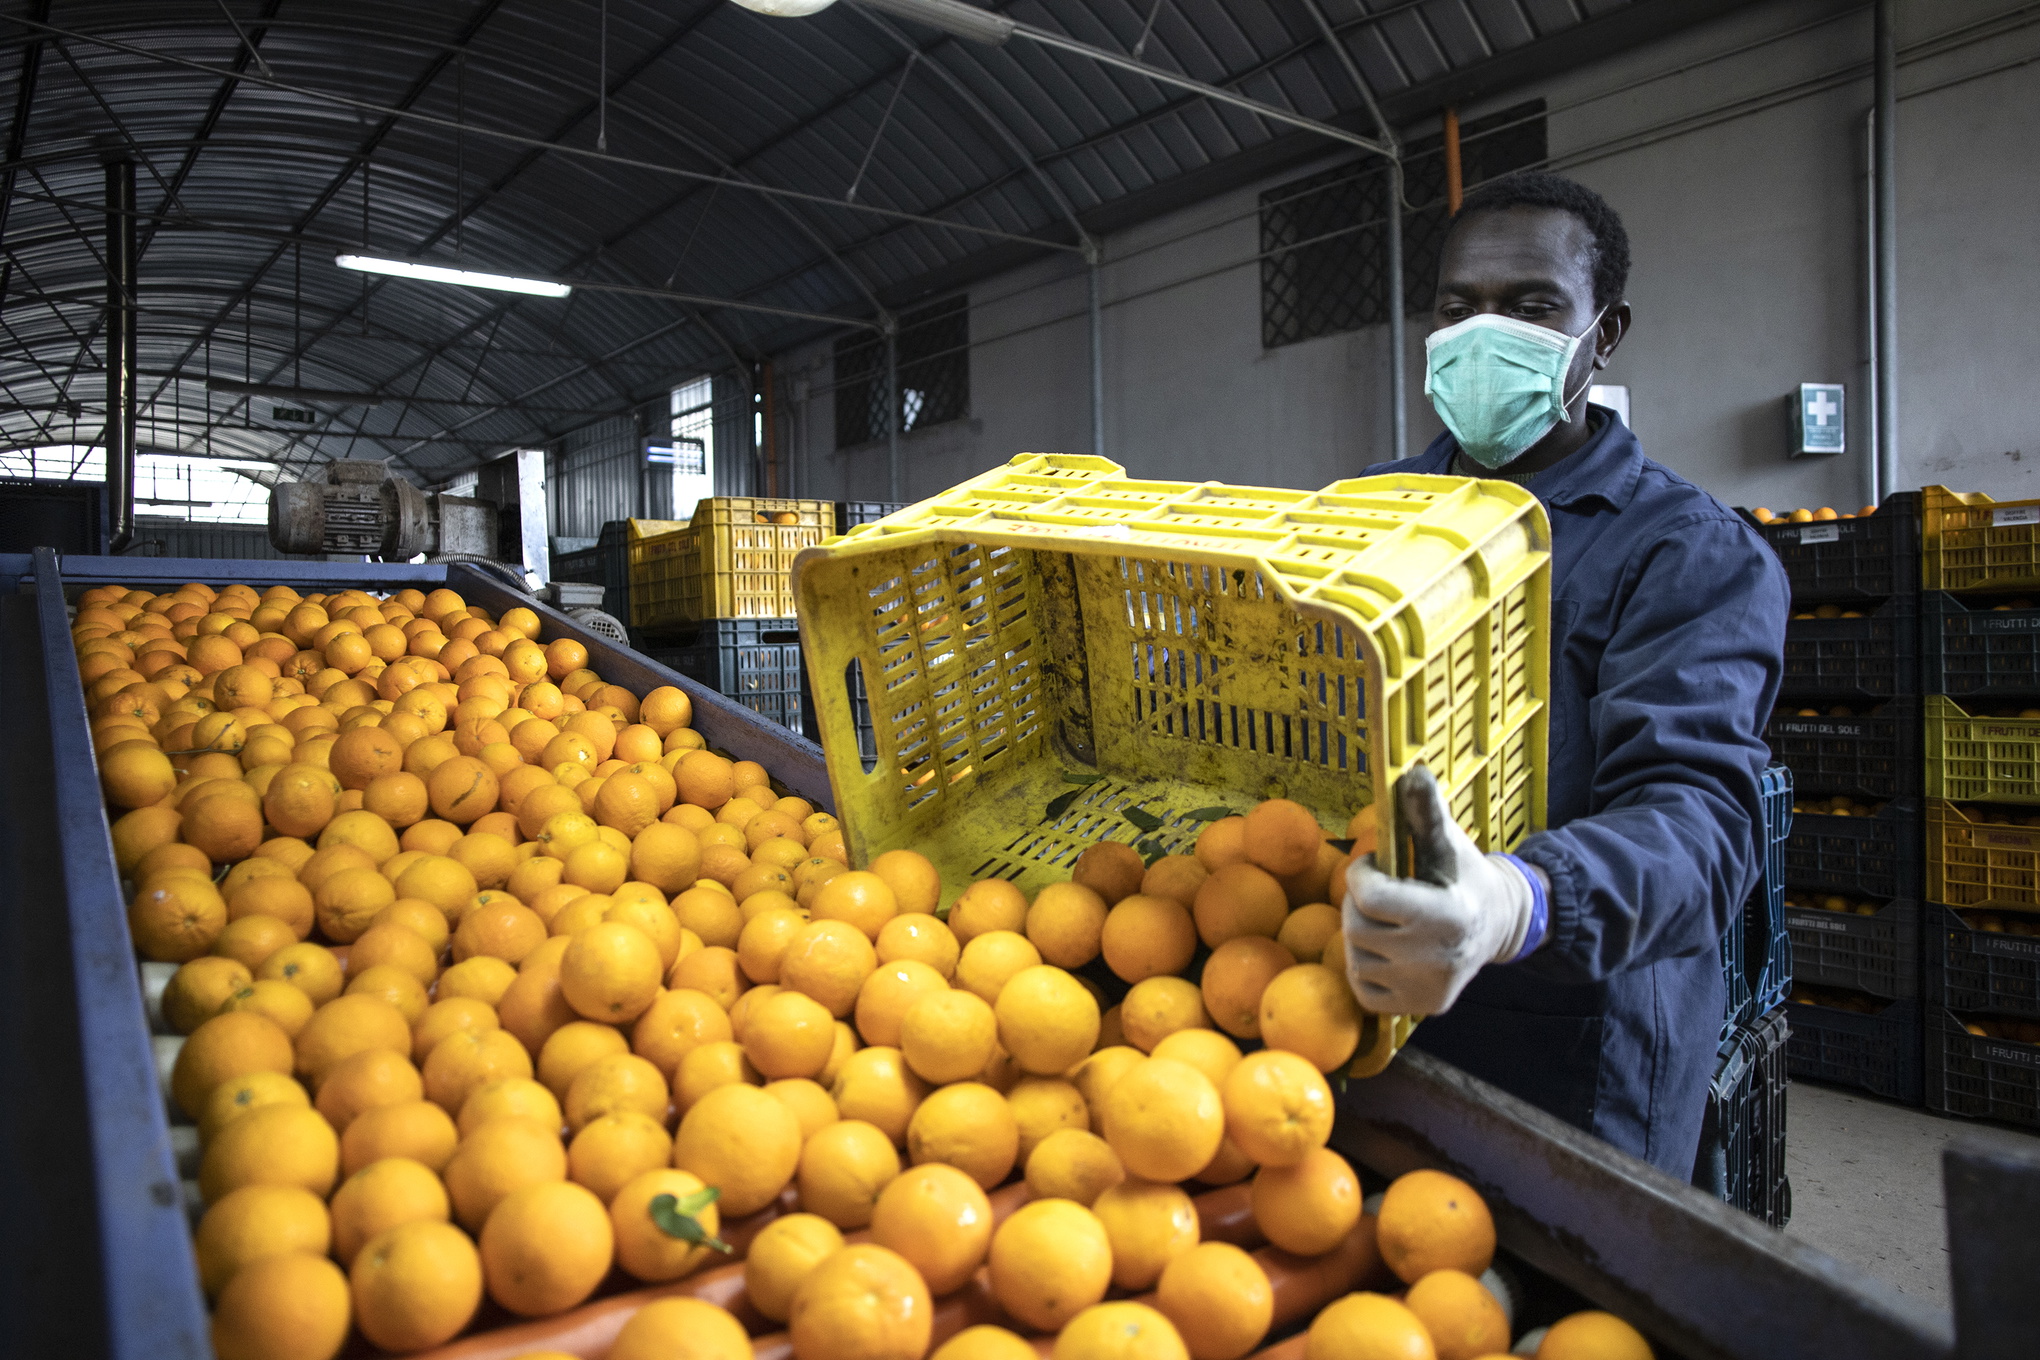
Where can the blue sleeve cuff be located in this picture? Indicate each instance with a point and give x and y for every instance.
(1540, 910)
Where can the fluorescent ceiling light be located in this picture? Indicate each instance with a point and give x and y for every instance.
(786, 9)
(466, 278)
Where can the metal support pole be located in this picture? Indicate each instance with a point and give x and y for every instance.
(1398, 342)
(1885, 173)
(892, 410)
(121, 358)
(1097, 356)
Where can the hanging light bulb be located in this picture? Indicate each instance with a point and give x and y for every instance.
(786, 9)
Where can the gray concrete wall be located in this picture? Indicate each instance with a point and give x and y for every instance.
(1736, 153)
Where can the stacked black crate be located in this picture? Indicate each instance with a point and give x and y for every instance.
(607, 564)
(754, 661)
(1848, 725)
(1982, 901)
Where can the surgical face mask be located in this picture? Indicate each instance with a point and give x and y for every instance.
(1498, 383)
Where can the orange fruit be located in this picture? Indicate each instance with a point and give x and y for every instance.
(829, 961)
(809, 1101)
(1239, 899)
(1112, 869)
(1099, 1073)
(643, 1248)
(362, 755)
(349, 900)
(364, 831)
(1593, 1335)
(948, 1035)
(545, 1248)
(482, 980)
(1174, 876)
(1464, 1319)
(272, 1145)
(1119, 1331)
(681, 1329)
(875, 1085)
(987, 905)
(712, 915)
(503, 929)
(1043, 1105)
(611, 972)
(789, 1035)
(764, 940)
(238, 1095)
(613, 1149)
(1277, 1107)
(395, 986)
(310, 968)
(1307, 930)
(1219, 1299)
(520, 1096)
(416, 1285)
(862, 899)
(1158, 1007)
(1282, 837)
(1367, 1327)
(991, 959)
(629, 802)
(915, 885)
(889, 993)
(705, 779)
(293, 1306)
(1309, 1010)
(969, 1126)
(1145, 937)
(254, 1222)
(345, 1026)
(1204, 1049)
(280, 1002)
(939, 1220)
(1431, 1221)
(196, 991)
(383, 1195)
(1067, 924)
(676, 1023)
(1309, 1207)
(920, 938)
(502, 1156)
(1047, 1019)
(1148, 1226)
(417, 1129)
(861, 1303)
(1222, 843)
(135, 774)
(176, 918)
(984, 1342)
(1164, 1119)
(573, 1048)
(1050, 1260)
(225, 1047)
(1073, 1164)
(743, 1142)
(394, 945)
(781, 1258)
(613, 1085)
(300, 800)
(365, 1081)
(1235, 978)
(844, 1168)
(284, 898)
(707, 1067)
(463, 1063)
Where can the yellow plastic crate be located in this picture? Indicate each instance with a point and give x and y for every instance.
(1970, 542)
(734, 560)
(1056, 627)
(1974, 862)
(1980, 759)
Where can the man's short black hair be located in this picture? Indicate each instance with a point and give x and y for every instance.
(1539, 189)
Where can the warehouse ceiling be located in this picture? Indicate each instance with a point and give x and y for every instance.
(671, 160)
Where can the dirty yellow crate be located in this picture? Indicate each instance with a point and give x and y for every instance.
(733, 560)
(1056, 632)
(1982, 857)
(1978, 758)
(1970, 542)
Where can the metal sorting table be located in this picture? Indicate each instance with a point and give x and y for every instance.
(95, 1249)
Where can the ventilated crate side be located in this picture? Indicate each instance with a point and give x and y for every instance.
(1850, 561)
(1980, 758)
(1875, 856)
(1872, 656)
(1980, 1076)
(1877, 954)
(1742, 1134)
(1971, 969)
(1976, 862)
(1055, 643)
(1874, 755)
(1876, 1052)
(1972, 650)
(1971, 542)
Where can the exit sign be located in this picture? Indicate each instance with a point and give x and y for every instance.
(1817, 413)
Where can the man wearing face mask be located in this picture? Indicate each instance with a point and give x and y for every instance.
(1583, 972)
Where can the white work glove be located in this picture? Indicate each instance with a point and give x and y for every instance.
(1412, 944)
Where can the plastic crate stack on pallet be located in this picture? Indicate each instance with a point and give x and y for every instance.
(606, 564)
(1742, 1141)
(1981, 657)
(1848, 726)
(713, 598)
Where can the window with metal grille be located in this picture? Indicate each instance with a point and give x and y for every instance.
(934, 359)
(1324, 247)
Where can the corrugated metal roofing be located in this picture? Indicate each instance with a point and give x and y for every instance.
(465, 133)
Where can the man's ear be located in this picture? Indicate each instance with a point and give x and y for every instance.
(1613, 326)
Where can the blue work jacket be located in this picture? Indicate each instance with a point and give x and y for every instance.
(1668, 628)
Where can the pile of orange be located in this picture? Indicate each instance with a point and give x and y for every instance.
(489, 969)
(1764, 515)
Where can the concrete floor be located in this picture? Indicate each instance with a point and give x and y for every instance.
(1866, 1183)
